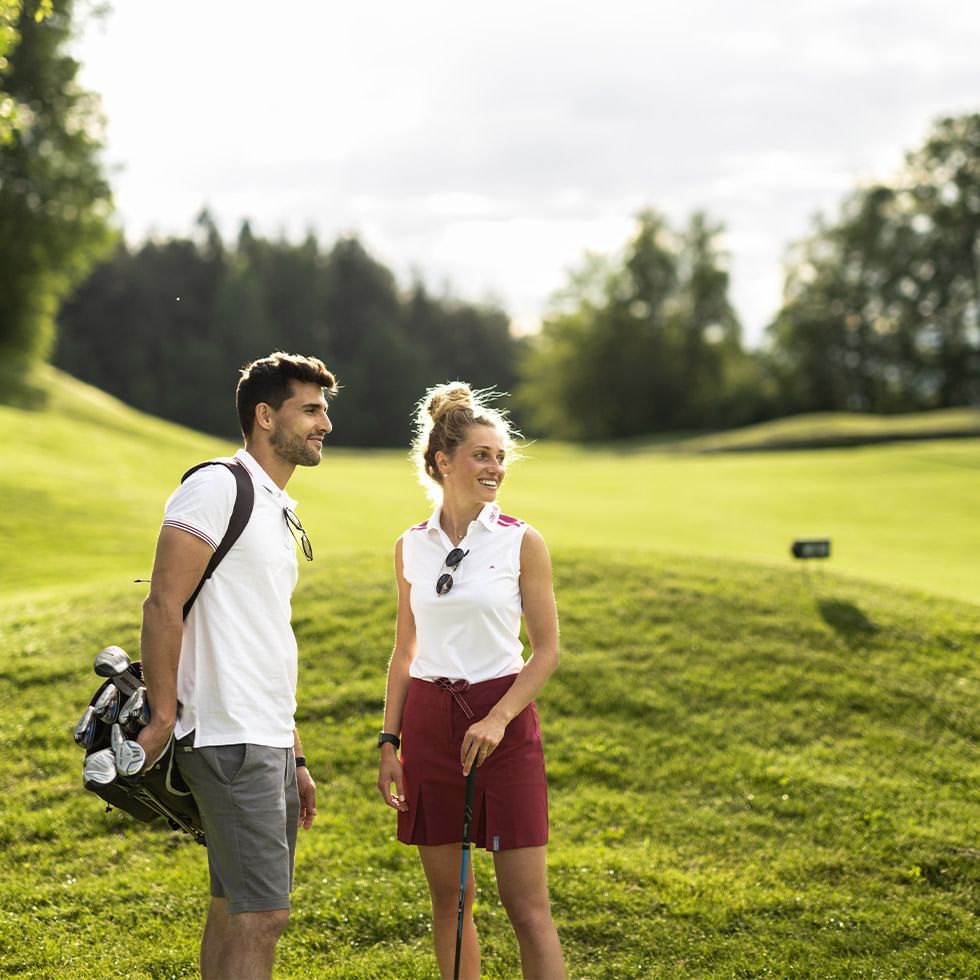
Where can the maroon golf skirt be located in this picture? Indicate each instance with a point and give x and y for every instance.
(510, 800)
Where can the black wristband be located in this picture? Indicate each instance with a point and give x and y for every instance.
(301, 762)
(384, 737)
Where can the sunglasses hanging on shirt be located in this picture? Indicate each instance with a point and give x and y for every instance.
(292, 521)
(445, 581)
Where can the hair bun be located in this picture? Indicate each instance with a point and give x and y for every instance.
(448, 397)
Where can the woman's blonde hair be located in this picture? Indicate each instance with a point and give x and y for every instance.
(443, 417)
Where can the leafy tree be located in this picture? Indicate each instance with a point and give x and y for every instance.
(166, 325)
(881, 309)
(365, 343)
(10, 14)
(55, 203)
(461, 340)
(141, 327)
(636, 343)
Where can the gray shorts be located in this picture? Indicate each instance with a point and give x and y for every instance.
(250, 808)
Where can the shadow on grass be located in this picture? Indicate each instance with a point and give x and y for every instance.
(847, 621)
(19, 388)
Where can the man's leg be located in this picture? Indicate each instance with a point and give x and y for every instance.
(249, 948)
(215, 930)
(249, 804)
(242, 945)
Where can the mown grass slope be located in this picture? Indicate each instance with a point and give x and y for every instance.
(82, 487)
(824, 429)
(753, 772)
(749, 776)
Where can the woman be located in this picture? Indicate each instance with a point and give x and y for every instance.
(459, 693)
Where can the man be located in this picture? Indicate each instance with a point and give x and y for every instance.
(223, 682)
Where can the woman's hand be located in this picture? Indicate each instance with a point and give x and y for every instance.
(481, 738)
(390, 774)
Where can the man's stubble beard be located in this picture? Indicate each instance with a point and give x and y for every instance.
(294, 449)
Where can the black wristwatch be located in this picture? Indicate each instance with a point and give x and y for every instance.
(388, 737)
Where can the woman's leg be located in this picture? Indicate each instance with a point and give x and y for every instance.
(442, 867)
(522, 880)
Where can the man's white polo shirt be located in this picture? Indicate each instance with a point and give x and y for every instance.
(473, 631)
(236, 681)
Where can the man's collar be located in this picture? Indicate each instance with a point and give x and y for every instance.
(261, 478)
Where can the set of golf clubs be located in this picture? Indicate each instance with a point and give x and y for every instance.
(122, 705)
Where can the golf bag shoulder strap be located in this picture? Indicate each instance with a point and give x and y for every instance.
(240, 514)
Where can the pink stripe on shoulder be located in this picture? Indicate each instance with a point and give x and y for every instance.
(197, 532)
(420, 527)
(505, 520)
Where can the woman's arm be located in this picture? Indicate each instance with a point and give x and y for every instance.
(396, 690)
(541, 620)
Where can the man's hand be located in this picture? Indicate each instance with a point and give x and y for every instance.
(154, 738)
(307, 797)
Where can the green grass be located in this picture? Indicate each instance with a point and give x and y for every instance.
(83, 492)
(821, 429)
(749, 776)
(753, 771)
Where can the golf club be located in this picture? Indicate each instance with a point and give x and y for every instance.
(113, 662)
(85, 729)
(129, 755)
(106, 705)
(99, 768)
(464, 865)
(135, 713)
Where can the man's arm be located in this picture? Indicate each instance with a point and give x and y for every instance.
(181, 559)
(304, 786)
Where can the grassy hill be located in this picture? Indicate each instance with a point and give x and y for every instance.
(753, 772)
(82, 487)
(834, 429)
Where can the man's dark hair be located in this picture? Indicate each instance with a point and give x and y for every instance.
(270, 380)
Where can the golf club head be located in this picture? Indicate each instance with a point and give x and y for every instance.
(114, 663)
(129, 755)
(99, 769)
(85, 729)
(107, 704)
(111, 661)
(135, 713)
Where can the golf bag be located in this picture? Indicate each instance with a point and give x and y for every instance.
(159, 790)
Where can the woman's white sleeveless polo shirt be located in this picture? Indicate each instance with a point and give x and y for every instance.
(472, 632)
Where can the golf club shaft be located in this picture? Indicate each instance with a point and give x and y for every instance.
(464, 867)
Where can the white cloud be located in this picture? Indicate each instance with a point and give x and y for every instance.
(493, 145)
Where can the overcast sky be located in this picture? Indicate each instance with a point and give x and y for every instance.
(491, 145)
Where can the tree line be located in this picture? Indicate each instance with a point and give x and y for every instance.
(880, 313)
(881, 306)
(166, 325)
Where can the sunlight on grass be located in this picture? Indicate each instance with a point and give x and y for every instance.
(83, 484)
(754, 770)
(750, 775)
